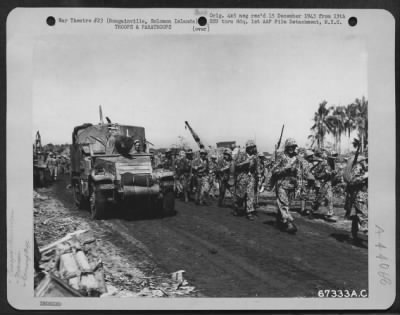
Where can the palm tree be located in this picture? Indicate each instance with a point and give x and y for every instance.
(359, 115)
(349, 124)
(336, 124)
(322, 125)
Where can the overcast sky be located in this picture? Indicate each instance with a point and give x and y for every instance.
(229, 87)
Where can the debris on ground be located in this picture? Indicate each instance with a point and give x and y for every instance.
(77, 259)
(74, 260)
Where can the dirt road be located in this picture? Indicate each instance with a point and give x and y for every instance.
(227, 256)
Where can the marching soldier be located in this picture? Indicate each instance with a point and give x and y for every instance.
(226, 180)
(183, 172)
(213, 165)
(269, 163)
(178, 173)
(358, 200)
(191, 186)
(52, 165)
(285, 172)
(323, 174)
(261, 176)
(246, 167)
(168, 163)
(305, 179)
(201, 171)
(156, 160)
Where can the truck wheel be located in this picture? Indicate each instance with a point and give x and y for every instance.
(168, 205)
(98, 204)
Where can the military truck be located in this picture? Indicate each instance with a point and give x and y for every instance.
(107, 171)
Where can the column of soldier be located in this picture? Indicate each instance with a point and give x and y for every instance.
(292, 174)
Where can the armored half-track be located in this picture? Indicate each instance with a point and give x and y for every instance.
(106, 170)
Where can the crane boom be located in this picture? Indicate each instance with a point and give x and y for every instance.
(195, 136)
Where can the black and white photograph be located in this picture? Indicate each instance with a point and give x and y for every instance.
(201, 154)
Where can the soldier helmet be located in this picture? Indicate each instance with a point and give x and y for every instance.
(361, 158)
(203, 151)
(261, 155)
(318, 153)
(308, 153)
(332, 154)
(137, 141)
(228, 151)
(250, 143)
(190, 151)
(310, 177)
(168, 151)
(182, 153)
(213, 156)
(290, 142)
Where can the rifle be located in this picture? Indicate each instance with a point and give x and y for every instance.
(101, 115)
(279, 142)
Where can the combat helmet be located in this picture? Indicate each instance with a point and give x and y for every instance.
(290, 142)
(308, 153)
(250, 143)
(332, 154)
(362, 157)
(182, 153)
(228, 151)
(203, 151)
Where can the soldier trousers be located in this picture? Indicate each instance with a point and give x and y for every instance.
(223, 187)
(184, 186)
(213, 184)
(245, 192)
(324, 195)
(282, 199)
(53, 172)
(351, 192)
(359, 213)
(202, 189)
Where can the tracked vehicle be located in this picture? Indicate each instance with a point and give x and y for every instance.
(106, 171)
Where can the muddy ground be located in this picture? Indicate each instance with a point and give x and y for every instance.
(222, 255)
